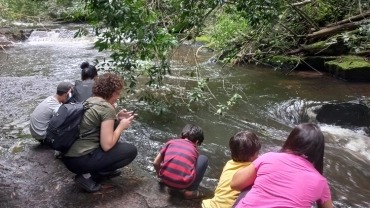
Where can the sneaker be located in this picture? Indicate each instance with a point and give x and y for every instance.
(105, 175)
(87, 183)
(58, 154)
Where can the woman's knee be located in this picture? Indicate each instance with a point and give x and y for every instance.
(73, 165)
(128, 149)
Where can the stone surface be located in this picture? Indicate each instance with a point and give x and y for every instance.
(30, 176)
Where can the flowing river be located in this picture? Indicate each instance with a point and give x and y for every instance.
(272, 104)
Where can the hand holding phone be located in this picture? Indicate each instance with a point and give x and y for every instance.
(133, 112)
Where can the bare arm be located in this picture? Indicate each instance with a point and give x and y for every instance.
(327, 204)
(157, 163)
(108, 136)
(244, 178)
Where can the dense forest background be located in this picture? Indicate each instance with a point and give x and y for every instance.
(279, 33)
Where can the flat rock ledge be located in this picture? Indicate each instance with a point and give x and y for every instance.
(30, 176)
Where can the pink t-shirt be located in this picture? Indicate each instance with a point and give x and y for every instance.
(285, 180)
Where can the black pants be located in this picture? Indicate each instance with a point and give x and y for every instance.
(200, 169)
(119, 156)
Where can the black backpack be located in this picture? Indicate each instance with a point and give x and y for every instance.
(64, 127)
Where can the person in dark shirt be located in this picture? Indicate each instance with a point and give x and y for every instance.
(83, 88)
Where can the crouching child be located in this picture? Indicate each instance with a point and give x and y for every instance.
(179, 165)
(244, 148)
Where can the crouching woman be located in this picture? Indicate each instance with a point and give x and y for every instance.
(100, 155)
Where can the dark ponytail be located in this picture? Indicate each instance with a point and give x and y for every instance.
(88, 71)
(308, 141)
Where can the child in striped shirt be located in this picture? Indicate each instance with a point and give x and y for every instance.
(179, 165)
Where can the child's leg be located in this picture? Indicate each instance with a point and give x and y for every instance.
(200, 169)
(242, 195)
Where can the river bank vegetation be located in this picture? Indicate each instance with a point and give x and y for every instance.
(320, 35)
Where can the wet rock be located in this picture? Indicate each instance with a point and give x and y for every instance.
(344, 114)
(33, 178)
(4, 42)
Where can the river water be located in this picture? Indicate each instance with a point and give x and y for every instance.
(272, 104)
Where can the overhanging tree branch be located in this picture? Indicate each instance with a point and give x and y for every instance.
(358, 17)
(306, 17)
(303, 3)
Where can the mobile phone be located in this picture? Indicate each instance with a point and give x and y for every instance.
(133, 112)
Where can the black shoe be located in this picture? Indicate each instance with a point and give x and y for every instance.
(98, 176)
(87, 183)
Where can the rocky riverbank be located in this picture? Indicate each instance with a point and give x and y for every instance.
(346, 67)
(30, 176)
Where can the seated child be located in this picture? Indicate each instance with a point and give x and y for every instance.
(244, 147)
(179, 165)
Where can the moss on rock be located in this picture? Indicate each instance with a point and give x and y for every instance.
(316, 46)
(351, 68)
(283, 62)
(323, 48)
(288, 62)
(285, 59)
(203, 38)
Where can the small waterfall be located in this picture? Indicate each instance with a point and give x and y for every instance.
(58, 35)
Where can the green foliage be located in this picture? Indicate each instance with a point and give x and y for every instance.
(138, 44)
(230, 103)
(327, 11)
(261, 12)
(67, 9)
(35, 11)
(24, 10)
(226, 28)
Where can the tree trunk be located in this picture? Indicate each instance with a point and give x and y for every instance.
(334, 30)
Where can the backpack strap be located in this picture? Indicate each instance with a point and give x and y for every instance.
(87, 106)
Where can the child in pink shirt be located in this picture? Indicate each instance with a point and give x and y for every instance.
(291, 178)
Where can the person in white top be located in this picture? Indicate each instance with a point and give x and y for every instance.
(40, 117)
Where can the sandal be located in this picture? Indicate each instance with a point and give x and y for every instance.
(196, 194)
(175, 192)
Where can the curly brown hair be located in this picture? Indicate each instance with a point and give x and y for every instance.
(107, 84)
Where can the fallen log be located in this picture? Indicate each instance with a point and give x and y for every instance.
(358, 17)
(335, 29)
(295, 51)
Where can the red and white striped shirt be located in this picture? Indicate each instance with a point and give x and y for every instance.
(178, 166)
